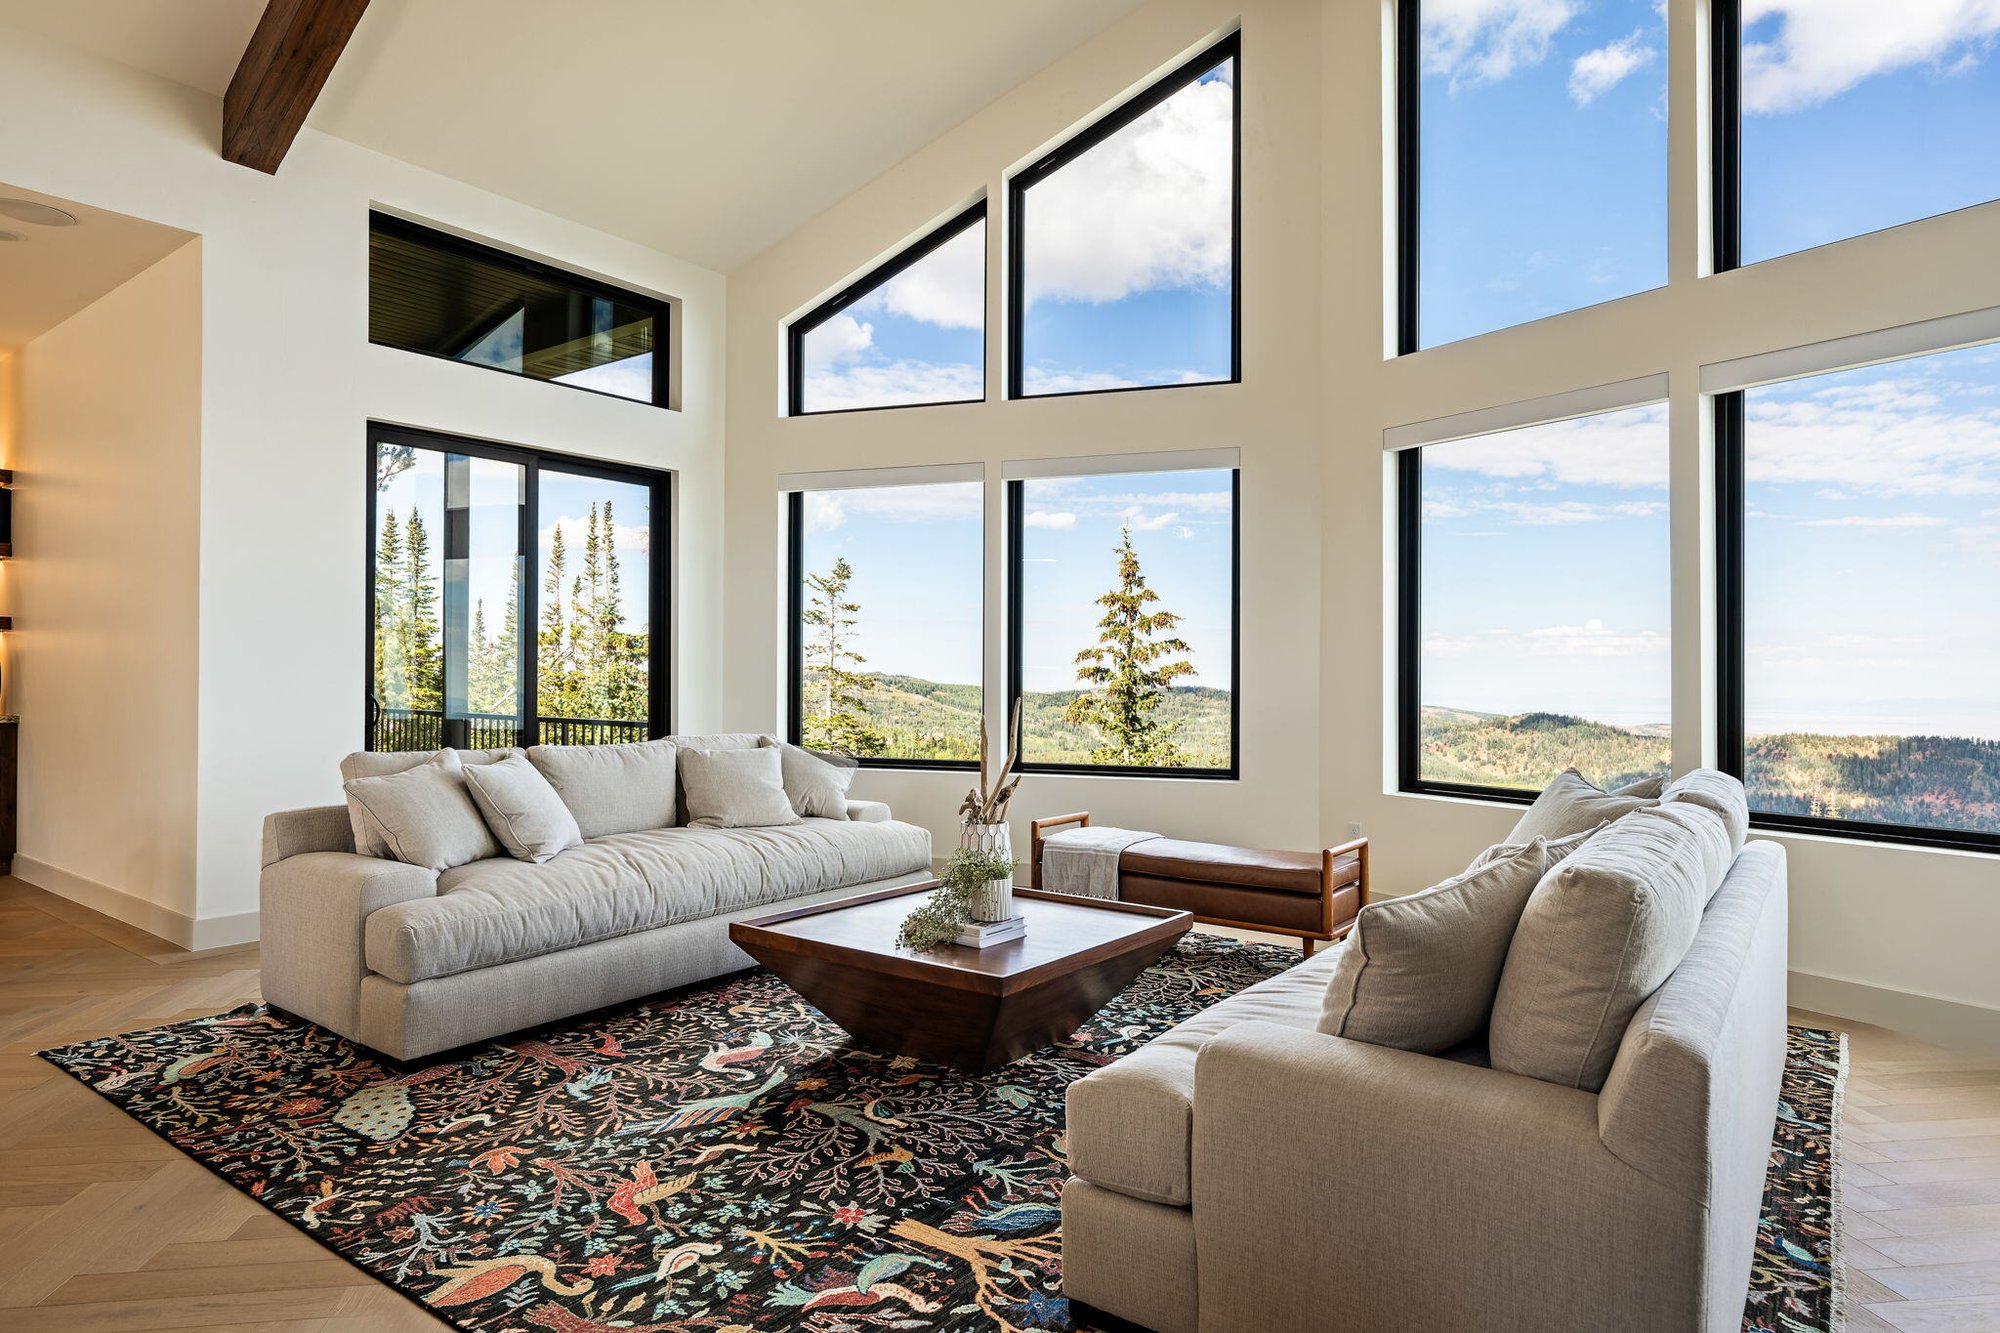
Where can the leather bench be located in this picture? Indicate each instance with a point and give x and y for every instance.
(1312, 895)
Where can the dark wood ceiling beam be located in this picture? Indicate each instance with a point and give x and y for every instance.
(283, 68)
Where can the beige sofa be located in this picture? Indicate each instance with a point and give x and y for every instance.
(410, 961)
(1246, 1171)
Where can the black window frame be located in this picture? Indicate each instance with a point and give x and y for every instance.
(662, 310)
(659, 571)
(1181, 76)
(1016, 609)
(906, 258)
(795, 566)
(1725, 119)
(1731, 458)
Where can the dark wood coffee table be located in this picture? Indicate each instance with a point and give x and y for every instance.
(972, 1009)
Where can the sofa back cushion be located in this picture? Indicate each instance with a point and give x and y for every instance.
(1712, 789)
(423, 815)
(625, 788)
(522, 809)
(1601, 932)
(1419, 972)
(382, 763)
(1574, 804)
(736, 789)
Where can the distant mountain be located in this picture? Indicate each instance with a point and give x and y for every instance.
(931, 719)
(1927, 781)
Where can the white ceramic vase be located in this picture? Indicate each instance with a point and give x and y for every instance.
(995, 902)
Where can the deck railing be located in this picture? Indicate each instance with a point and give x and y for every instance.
(424, 729)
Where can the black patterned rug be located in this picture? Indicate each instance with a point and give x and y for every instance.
(725, 1159)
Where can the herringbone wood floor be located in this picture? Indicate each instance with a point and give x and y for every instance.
(103, 1226)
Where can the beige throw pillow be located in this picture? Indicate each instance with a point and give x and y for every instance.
(1714, 790)
(1573, 804)
(522, 809)
(624, 788)
(1419, 972)
(1599, 935)
(423, 815)
(1558, 847)
(815, 783)
(381, 763)
(735, 789)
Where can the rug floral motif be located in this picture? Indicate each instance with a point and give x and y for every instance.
(1795, 1278)
(726, 1159)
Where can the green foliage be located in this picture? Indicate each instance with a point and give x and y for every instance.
(937, 920)
(1528, 749)
(834, 707)
(409, 644)
(1133, 666)
(968, 868)
(587, 666)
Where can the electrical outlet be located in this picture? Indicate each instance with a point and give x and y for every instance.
(1354, 829)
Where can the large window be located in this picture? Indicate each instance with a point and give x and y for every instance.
(1122, 595)
(513, 597)
(1123, 271)
(445, 296)
(911, 331)
(887, 619)
(1534, 587)
(1534, 161)
(1835, 120)
(1861, 569)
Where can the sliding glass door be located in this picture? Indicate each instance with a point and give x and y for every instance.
(513, 597)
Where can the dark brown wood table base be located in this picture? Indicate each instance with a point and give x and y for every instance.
(972, 1009)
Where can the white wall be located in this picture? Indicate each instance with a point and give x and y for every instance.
(288, 382)
(106, 596)
(1271, 417)
(1873, 925)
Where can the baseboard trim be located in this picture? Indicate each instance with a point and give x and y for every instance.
(1950, 1023)
(177, 928)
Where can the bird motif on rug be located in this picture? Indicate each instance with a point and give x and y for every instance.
(643, 1188)
(715, 1152)
(677, 1260)
(479, 1278)
(706, 1111)
(724, 1059)
(791, 1294)
(553, 1317)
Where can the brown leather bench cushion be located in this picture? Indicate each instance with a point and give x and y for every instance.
(1214, 863)
(1251, 907)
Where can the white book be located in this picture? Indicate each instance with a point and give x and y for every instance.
(978, 934)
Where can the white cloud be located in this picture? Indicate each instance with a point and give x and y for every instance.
(1036, 380)
(947, 287)
(829, 510)
(1148, 208)
(1558, 512)
(1593, 638)
(841, 338)
(1138, 520)
(898, 382)
(825, 510)
(1626, 448)
(1822, 48)
(1042, 518)
(1875, 521)
(1893, 435)
(1597, 72)
(1479, 41)
(627, 539)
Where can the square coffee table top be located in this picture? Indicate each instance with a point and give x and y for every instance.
(1064, 934)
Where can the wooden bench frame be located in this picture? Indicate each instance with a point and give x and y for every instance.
(1331, 860)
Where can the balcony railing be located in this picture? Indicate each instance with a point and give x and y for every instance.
(424, 729)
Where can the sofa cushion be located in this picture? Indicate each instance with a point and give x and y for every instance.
(1600, 933)
(736, 789)
(424, 815)
(1574, 804)
(624, 788)
(1714, 790)
(522, 809)
(1419, 972)
(382, 763)
(815, 783)
(502, 910)
(1131, 1123)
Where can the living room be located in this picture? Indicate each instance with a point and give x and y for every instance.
(1293, 432)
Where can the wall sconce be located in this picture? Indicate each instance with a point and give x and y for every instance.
(6, 513)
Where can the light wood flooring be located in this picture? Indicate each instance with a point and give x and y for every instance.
(104, 1226)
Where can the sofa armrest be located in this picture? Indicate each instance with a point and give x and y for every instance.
(868, 812)
(322, 828)
(1461, 1197)
(314, 912)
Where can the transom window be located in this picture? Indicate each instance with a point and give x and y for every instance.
(1124, 259)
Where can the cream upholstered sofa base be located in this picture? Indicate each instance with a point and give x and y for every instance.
(318, 897)
(1129, 1257)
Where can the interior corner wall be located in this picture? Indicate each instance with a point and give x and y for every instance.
(104, 591)
(289, 382)
(1271, 418)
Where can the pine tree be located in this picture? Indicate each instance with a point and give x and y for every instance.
(624, 653)
(835, 707)
(392, 689)
(423, 650)
(1128, 668)
(554, 656)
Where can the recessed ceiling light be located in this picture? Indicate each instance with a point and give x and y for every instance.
(27, 210)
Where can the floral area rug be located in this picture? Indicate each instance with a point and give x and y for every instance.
(726, 1159)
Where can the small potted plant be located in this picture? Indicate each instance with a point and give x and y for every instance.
(973, 884)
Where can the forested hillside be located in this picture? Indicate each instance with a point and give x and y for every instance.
(932, 720)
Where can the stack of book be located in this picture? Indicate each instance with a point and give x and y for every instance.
(980, 934)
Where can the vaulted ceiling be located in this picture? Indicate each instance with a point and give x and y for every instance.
(708, 130)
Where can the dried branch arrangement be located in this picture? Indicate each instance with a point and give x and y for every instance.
(987, 803)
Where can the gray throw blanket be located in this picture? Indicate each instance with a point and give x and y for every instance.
(1084, 861)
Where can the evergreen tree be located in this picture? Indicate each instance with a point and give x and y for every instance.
(554, 654)
(835, 706)
(423, 652)
(1129, 669)
(392, 688)
(623, 663)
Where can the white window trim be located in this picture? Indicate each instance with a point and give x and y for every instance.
(855, 479)
(1924, 338)
(1100, 465)
(1642, 392)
